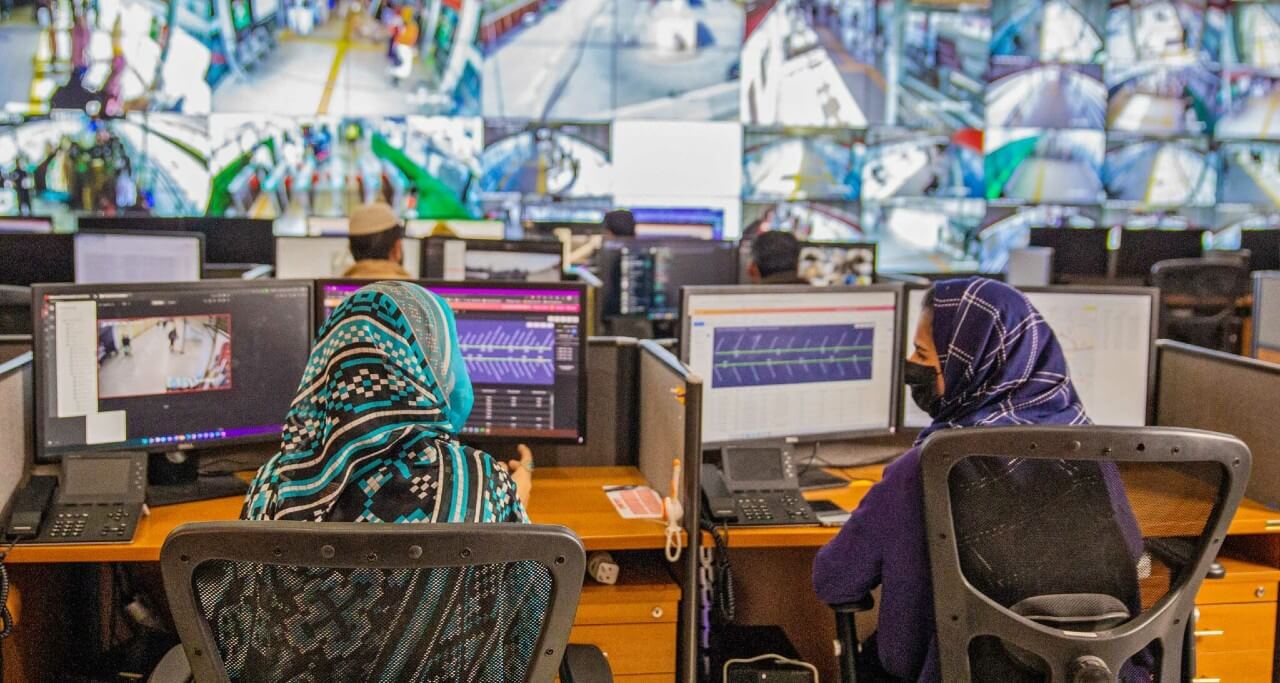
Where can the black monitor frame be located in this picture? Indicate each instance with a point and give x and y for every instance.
(428, 263)
(899, 320)
(319, 318)
(206, 225)
(1063, 253)
(1136, 253)
(64, 242)
(1100, 290)
(38, 294)
(198, 236)
(1264, 252)
(607, 262)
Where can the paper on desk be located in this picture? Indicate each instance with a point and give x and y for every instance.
(635, 502)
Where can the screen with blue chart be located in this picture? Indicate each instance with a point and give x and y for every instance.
(796, 354)
(797, 362)
(523, 345)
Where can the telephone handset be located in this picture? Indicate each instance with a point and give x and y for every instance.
(755, 487)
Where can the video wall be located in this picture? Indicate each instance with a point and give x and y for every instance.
(940, 130)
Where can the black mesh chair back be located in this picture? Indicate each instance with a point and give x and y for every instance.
(301, 601)
(1073, 553)
(15, 309)
(1199, 300)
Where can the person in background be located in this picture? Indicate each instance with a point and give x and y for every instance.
(775, 258)
(617, 223)
(404, 47)
(983, 356)
(377, 244)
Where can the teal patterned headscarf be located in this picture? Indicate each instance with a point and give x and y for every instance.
(372, 433)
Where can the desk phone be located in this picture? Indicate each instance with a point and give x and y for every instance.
(99, 500)
(755, 487)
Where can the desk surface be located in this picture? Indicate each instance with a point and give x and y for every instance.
(569, 496)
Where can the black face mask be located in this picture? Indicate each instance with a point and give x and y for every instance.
(923, 382)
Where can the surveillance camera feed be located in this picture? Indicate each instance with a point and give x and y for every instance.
(1161, 173)
(563, 160)
(907, 163)
(799, 164)
(1076, 37)
(148, 356)
(1029, 165)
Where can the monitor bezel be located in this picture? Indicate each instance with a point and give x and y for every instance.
(318, 320)
(67, 238)
(198, 236)
(204, 225)
(895, 386)
(1097, 290)
(1118, 270)
(40, 291)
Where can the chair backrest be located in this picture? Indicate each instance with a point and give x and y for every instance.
(265, 601)
(1213, 282)
(15, 309)
(1057, 551)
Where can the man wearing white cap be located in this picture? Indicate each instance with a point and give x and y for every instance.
(377, 244)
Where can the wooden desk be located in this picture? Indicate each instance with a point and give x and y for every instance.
(568, 496)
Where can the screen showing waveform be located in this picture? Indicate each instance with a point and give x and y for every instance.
(508, 351)
(795, 354)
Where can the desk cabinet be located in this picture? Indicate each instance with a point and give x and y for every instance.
(1235, 624)
(633, 622)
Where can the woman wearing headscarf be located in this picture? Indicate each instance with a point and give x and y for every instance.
(372, 437)
(983, 356)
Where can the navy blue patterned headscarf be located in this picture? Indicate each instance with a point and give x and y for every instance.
(1001, 364)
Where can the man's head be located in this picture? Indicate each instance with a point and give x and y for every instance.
(772, 253)
(620, 223)
(376, 233)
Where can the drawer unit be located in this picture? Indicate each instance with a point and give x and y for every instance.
(632, 622)
(1235, 624)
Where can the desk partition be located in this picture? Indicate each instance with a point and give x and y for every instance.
(611, 412)
(671, 427)
(1266, 315)
(17, 421)
(1204, 389)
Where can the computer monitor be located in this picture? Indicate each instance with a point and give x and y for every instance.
(792, 361)
(108, 256)
(679, 223)
(227, 240)
(29, 258)
(28, 224)
(311, 258)
(524, 345)
(1199, 388)
(643, 278)
(167, 367)
(451, 259)
(328, 226)
(1107, 335)
(1076, 251)
(1142, 249)
(466, 229)
(1264, 248)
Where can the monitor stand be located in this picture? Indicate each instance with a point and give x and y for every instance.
(175, 477)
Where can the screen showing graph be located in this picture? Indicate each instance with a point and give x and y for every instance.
(524, 347)
(787, 362)
(1106, 338)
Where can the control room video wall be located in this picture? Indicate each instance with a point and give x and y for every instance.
(940, 130)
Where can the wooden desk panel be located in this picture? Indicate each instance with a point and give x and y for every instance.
(570, 496)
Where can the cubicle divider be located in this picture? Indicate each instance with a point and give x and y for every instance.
(611, 411)
(17, 440)
(670, 428)
(1223, 392)
(1266, 316)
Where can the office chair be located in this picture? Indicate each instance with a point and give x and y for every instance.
(15, 309)
(279, 601)
(1069, 553)
(1198, 301)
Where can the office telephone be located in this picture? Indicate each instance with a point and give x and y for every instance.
(99, 499)
(755, 487)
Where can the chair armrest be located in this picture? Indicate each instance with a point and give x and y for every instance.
(584, 664)
(864, 605)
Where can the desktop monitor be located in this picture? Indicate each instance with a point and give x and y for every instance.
(524, 345)
(450, 259)
(679, 223)
(105, 257)
(227, 240)
(464, 229)
(1076, 251)
(328, 226)
(167, 367)
(792, 361)
(642, 278)
(27, 224)
(27, 258)
(1107, 335)
(311, 258)
(1142, 249)
(823, 263)
(1264, 248)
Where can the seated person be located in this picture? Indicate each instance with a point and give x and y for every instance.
(775, 259)
(983, 356)
(377, 244)
(363, 457)
(617, 223)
